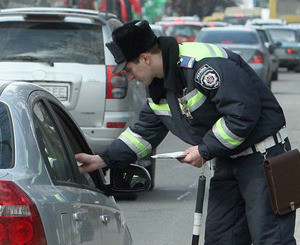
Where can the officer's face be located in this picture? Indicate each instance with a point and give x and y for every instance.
(140, 70)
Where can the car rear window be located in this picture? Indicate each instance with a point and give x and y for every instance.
(182, 30)
(283, 35)
(6, 144)
(228, 37)
(237, 20)
(52, 41)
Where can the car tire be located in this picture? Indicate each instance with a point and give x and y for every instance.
(149, 163)
(297, 68)
(151, 170)
(275, 75)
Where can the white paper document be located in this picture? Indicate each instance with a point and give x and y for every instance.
(171, 155)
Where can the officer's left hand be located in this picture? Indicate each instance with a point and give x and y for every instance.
(193, 157)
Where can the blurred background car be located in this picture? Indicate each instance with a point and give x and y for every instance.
(243, 41)
(182, 30)
(240, 15)
(44, 198)
(289, 51)
(271, 46)
(63, 50)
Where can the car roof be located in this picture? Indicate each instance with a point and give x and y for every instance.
(280, 27)
(60, 12)
(259, 21)
(177, 23)
(230, 28)
(181, 18)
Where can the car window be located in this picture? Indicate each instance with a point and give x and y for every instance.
(182, 30)
(51, 144)
(59, 42)
(263, 36)
(6, 144)
(228, 37)
(74, 139)
(283, 35)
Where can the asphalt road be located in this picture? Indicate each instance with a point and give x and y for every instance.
(164, 216)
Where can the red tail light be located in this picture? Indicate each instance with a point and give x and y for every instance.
(257, 58)
(116, 124)
(291, 51)
(20, 222)
(116, 84)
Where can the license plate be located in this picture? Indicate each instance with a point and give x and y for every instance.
(60, 91)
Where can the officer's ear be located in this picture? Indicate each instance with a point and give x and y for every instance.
(145, 58)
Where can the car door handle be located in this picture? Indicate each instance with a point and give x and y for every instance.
(105, 218)
(79, 216)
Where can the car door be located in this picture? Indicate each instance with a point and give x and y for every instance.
(92, 216)
(77, 211)
(108, 213)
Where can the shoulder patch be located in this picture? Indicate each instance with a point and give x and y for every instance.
(187, 62)
(207, 77)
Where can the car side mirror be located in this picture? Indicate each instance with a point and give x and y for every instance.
(278, 44)
(272, 48)
(132, 178)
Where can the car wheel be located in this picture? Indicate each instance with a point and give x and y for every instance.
(149, 163)
(275, 75)
(297, 68)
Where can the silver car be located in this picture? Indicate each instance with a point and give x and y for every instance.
(43, 197)
(271, 46)
(289, 51)
(243, 41)
(63, 50)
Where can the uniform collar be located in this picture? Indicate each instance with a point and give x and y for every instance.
(171, 82)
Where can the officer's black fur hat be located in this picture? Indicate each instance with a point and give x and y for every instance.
(129, 41)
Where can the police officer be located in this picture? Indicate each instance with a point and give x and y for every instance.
(210, 98)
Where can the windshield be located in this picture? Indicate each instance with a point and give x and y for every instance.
(5, 138)
(228, 37)
(55, 42)
(283, 35)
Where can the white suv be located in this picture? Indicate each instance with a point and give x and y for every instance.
(63, 50)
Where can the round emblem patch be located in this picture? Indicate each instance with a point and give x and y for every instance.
(207, 77)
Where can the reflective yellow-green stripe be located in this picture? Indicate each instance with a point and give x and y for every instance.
(195, 99)
(136, 142)
(201, 50)
(225, 136)
(217, 50)
(192, 50)
(161, 107)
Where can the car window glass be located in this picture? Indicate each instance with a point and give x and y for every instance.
(6, 145)
(283, 35)
(73, 141)
(51, 144)
(228, 37)
(182, 30)
(55, 42)
(263, 36)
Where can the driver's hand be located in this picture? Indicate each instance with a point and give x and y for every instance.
(89, 163)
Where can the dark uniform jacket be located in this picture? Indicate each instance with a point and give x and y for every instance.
(210, 97)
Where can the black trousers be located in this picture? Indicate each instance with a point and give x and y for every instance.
(239, 208)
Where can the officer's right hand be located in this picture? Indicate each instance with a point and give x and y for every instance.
(193, 157)
(89, 163)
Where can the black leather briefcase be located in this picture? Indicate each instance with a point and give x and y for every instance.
(283, 177)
